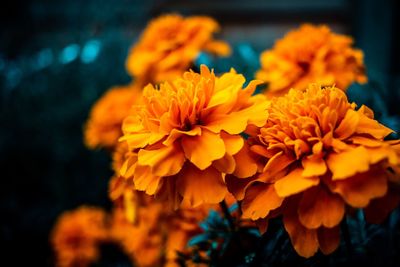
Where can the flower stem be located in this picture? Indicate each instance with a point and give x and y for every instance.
(227, 214)
(346, 235)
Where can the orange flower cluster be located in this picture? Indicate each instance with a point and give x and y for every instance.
(310, 155)
(170, 44)
(186, 136)
(77, 235)
(103, 127)
(311, 54)
(141, 221)
(319, 156)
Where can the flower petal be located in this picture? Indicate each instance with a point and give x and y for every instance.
(145, 180)
(226, 164)
(165, 161)
(246, 164)
(319, 208)
(372, 127)
(313, 166)
(201, 186)
(259, 201)
(294, 183)
(168, 193)
(175, 134)
(237, 187)
(379, 208)
(328, 239)
(233, 143)
(348, 125)
(348, 163)
(304, 240)
(233, 123)
(202, 150)
(360, 189)
(277, 163)
(139, 140)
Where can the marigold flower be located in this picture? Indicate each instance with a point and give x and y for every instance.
(170, 44)
(142, 240)
(103, 127)
(319, 156)
(186, 136)
(311, 54)
(135, 211)
(77, 235)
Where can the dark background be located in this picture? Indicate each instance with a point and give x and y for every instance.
(58, 57)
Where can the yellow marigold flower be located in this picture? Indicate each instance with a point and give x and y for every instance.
(311, 54)
(319, 156)
(103, 127)
(77, 235)
(142, 241)
(170, 44)
(187, 135)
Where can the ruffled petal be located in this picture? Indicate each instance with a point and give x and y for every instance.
(201, 186)
(226, 164)
(379, 208)
(165, 161)
(145, 180)
(319, 207)
(313, 166)
(202, 150)
(304, 241)
(233, 143)
(372, 127)
(348, 125)
(346, 164)
(360, 189)
(246, 164)
(328, 239)
(294, 183)
(175, 134)
(259, 201)
(237, 187)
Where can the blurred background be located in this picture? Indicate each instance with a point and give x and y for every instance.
(58, 57)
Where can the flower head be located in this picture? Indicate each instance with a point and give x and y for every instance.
(142, 240)
(186, 135)
(77, 235)
(103, 127)
(311, 54)
(319, 156)
(170, 44)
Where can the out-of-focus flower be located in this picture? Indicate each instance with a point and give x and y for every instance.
(311, 54)
(186, 136)
(182, 225)
(320, 155)
(170, 44)
(103, 127)
(142, 240)
(77, 235)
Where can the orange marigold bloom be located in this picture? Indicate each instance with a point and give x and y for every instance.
(170, 44)
(77, 235)
(103, 127)
(319, 156)
(186, 136)
(311, 54)
(142, 240)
